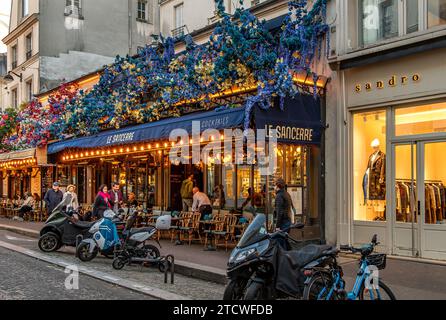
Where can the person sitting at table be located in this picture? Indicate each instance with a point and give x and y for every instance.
(131, 201)
(27, 206)
(201, 203)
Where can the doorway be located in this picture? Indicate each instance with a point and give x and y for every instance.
(419, 198)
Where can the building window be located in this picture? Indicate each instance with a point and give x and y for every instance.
(29, 90)
(73, 8)
(369, 165)
(29, 46)
(412, 14)
(14, 57)
(25, 8)
(436, 13)
(179, 22)
(14, 98)
(378, 20)
(142, 11)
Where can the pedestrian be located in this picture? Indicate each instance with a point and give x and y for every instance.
(201, 203)
(186, 193)
(53, 197)
(27, 206)
(283, 206)
(74, 203)
(116, 197)
(102, 202)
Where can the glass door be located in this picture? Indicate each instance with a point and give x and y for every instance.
(432, 201)
(405, 211)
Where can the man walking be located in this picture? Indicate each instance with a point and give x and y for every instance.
(201, 203)
(186, 193)
(116, 197)
(283, 205)
(53, 197)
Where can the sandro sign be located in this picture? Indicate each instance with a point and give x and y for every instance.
(393, 82)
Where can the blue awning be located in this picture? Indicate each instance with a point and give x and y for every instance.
(223, 119)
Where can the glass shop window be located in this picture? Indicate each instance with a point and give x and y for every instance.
(369, 165)
(423, 119)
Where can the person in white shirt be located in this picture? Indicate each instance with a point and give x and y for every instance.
(201, 203)
(27, 206)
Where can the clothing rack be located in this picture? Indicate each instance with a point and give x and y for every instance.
(426, 181)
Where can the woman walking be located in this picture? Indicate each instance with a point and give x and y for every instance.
(102, 202)
(71, 191)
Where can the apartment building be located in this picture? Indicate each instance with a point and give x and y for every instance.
(52, 41)
(390, 60)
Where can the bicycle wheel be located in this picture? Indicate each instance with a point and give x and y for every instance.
(320, 288)
(382, 292)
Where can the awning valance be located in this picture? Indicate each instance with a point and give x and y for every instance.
(18, 155)
(227, 118)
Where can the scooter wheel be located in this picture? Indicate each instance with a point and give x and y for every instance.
(84, 254)
(49, 242)
(119, 263)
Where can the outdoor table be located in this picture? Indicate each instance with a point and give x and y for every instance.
(210, 247)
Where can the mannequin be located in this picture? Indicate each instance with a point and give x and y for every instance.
(374, 183)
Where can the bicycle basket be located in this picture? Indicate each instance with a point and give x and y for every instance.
(377, 260)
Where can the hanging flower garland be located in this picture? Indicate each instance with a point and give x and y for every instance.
(35, 124)
(157, 83)
(241, 51)
(8, 120)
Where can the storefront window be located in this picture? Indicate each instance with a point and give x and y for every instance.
(405, 179)
(295, 165)
(243, 182)
(436, 13)
(229, 182)
(421, 120)
(412, 16)
(369, 165)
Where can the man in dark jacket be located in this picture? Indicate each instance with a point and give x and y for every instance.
(283, 206)
(116, 197)
(53, 197)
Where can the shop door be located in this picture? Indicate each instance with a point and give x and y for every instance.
(432, 200)
(406, 229)
(419, 198)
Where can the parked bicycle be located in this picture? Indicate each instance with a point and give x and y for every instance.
(327, 283)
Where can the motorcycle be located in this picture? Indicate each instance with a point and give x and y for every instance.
(61, 229)
(102, 238)
(259, 268)
(136, 250)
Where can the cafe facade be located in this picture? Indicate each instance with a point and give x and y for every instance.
(137, 157)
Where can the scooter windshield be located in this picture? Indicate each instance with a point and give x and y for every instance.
(59, 211)
(255, 232)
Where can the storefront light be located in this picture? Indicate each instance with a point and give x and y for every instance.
(149, 146)
(97, 152)
(157, 145)
(121, 150)
(102, 152)
(165, 144)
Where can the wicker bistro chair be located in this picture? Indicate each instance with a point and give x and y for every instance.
(183, 221)
(223, 230)
(191, 227)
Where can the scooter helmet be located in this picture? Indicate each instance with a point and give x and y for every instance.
(164, 222)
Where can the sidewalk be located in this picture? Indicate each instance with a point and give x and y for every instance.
(191, 260)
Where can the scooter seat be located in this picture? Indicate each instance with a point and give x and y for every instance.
(138, 230)
(300, 258)
(84, 224)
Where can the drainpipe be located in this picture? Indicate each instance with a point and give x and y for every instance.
(157, 18)
(130, 26)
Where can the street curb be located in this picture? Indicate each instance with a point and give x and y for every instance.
(184, 268)
(134, 286)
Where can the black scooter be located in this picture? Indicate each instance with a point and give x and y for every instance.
(261, 269)
(61, 229)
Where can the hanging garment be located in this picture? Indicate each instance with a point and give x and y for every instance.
(443, 200)
(438, 211)
(365, 185)
(427, 204)
(399, 216)
(433, 204)
(377, 171)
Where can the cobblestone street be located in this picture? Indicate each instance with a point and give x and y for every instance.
(26, 278)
